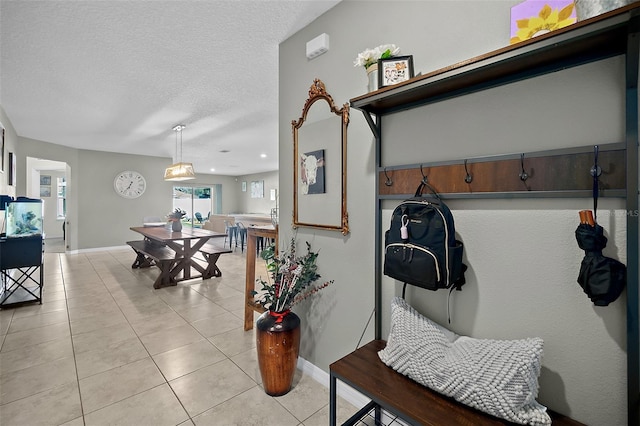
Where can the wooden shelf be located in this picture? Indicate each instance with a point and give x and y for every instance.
(587, 41)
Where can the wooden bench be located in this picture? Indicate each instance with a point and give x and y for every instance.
(211, 253)
(397, 394)
(149, 253)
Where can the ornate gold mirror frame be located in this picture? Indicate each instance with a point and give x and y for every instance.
(320, 163)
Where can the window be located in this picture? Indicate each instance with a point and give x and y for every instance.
(61, 201)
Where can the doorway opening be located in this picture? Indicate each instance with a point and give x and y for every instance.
(47, 180)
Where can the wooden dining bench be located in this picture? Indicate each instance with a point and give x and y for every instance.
(399, 395)
(149, 253)
(211, 253)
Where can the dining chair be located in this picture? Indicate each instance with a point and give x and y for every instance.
(242, 232)
(232, 232)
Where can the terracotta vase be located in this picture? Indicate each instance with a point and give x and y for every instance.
(278, 345)
(176, 226)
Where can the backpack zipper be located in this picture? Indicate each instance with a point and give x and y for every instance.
(415, 247)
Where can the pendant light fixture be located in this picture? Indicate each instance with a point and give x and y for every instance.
(179, 171)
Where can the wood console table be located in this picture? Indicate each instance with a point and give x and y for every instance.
(249, 305)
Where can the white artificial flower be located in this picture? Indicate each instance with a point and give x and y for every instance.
(368, 57)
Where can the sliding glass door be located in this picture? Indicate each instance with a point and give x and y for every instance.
(197, 201)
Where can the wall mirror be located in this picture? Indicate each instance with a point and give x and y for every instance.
(320, 163)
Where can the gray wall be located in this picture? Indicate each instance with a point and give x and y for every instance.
(246, 204)
(96, 215)
(522, 254)
(10, 145)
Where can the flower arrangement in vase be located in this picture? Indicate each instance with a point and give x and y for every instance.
(293, 279)
(368, 59)
(175, 218)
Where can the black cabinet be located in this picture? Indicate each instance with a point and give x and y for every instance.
(21, 270)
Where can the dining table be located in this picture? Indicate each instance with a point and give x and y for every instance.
(185, 243)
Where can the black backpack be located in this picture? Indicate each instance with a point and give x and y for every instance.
(425, 253)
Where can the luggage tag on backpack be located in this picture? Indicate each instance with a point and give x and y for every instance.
(404, 232)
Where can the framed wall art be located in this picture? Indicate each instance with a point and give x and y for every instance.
(532, 18)
(394, 70)
(312, 172)
(2, 151)
(45, 191)
(12, 169)
(244, 186)
(257, 189)
(45, 180)
(320, 163)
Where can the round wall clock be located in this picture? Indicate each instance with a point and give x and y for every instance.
(129, 184)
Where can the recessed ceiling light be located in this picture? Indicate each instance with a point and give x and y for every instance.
(263, 155)
(213, 170)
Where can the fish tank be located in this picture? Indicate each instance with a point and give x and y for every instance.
(23, 218)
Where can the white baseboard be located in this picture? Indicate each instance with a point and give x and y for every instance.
(344, 391)
(92, 250)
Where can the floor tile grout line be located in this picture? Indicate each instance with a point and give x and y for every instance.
(73, 348)
(138, 337)
(166, 381)
(100, 267)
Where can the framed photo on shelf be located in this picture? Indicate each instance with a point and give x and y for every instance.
(394, 70)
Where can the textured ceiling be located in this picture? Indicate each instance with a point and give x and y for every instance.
(118, 75)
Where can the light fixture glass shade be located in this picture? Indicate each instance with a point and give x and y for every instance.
(179, 171)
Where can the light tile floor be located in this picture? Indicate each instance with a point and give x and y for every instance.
(105, 348)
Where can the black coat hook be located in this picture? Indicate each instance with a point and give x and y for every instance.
(424, 180)
(523, 175)
(596, 170)
(387, 182)
(468, 177)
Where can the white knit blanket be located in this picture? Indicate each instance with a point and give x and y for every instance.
(499, 377)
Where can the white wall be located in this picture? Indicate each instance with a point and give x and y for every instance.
(522, 254)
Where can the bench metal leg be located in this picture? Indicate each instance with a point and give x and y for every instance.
(332, 401)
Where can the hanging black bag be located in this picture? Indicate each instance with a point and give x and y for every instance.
(420, 246)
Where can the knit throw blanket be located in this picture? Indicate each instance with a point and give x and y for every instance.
(499, 377)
